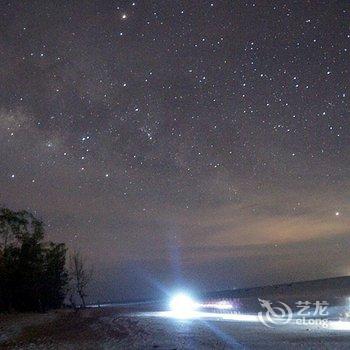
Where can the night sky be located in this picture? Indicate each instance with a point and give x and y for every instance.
(196, 143)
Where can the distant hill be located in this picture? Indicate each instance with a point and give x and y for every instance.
(336, 287)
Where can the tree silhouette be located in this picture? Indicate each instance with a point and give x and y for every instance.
(32, 272)
(80, 277)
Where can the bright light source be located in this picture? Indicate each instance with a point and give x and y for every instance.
(182, 305)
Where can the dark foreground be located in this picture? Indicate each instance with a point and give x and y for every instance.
(115, 328)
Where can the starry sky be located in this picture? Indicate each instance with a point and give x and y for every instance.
(195, 143)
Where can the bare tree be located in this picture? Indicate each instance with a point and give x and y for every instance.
(80, 277)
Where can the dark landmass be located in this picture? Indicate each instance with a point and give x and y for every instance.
(336, 287)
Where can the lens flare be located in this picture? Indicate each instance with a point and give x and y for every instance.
(182, 305)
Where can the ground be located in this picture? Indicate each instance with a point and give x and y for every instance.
(115, 328)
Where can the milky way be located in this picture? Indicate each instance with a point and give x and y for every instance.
(203, 143)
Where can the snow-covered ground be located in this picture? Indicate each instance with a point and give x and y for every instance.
(111, 328)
